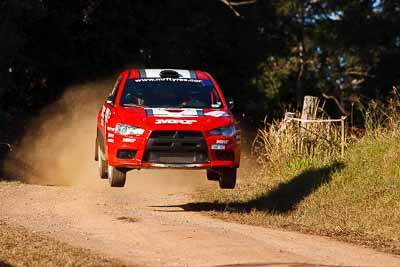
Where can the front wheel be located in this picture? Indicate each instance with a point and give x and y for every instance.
(116, 177)
(227, 180)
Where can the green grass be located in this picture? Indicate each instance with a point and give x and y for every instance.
(355, 199)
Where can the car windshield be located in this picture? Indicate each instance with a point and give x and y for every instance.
(181, 93)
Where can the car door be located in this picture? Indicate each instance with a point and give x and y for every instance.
(106, 113)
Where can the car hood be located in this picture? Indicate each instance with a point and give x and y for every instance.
(175, 118)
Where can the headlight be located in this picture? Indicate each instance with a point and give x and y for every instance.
(124, 129)
(224, 131)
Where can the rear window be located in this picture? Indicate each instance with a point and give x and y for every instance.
(179, 93)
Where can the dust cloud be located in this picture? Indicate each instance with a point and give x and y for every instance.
(58, 148)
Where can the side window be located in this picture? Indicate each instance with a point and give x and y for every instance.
(113, 95)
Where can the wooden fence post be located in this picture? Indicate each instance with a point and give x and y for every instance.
(343, 143)
(309, 112)
(289, 115)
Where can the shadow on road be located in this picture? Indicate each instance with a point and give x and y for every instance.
(281, 200)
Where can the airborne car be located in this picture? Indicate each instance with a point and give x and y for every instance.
(157, 118)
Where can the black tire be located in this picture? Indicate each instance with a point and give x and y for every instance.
(212, 175)
(228, 178)
(96, 151)
(103, 164)
(116, 177)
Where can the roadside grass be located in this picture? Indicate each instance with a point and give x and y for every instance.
(21, 247)
(355, 199)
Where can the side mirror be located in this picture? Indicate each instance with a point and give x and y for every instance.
(231, 103)
(110, 100)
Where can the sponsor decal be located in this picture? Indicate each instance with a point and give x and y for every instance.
(155, 73)
(222, 142)
(217, 147)
(128, 140)
(107, 115)
(110, 140)
(102, 116)
(110, 129)
(173, 121)
(217, 113)
(110, 135)
(175, 113)
(167, 80)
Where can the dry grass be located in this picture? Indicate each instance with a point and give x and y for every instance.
(21, 247)
(382, 116)
(278, 144)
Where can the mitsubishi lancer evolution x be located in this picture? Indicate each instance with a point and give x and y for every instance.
(157, 118)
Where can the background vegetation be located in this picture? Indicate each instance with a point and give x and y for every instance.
(267, 59)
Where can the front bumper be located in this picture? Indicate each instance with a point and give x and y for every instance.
(207, 151)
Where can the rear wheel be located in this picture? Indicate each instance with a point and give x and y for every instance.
(212, 175)
(227, 180)
(103, 164)
(116, 177)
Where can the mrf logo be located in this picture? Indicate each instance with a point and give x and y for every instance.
(172, 121)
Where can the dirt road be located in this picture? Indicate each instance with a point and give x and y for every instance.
(143, 224)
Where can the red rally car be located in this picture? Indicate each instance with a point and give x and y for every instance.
(157, 118)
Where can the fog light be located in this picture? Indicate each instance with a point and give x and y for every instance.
(126, 154)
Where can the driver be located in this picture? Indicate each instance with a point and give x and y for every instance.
(194, 99)
(134, 98)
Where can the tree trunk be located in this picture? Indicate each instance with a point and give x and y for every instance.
(301, 49)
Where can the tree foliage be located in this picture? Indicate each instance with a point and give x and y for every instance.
(267, 59)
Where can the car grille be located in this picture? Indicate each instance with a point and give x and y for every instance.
(176, 147)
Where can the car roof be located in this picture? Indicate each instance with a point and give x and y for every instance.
(163, 73)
